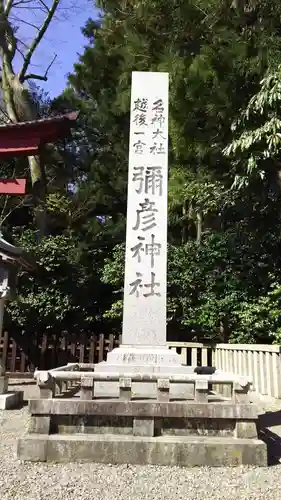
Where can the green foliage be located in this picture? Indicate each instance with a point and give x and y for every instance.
(224, 244)
(256, 151)
(52, 294)
(207, 295)
(259, 317)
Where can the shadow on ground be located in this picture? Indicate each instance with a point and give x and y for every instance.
(269, 431)
(22, 383)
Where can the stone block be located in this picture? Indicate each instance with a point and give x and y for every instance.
(87, 388)
(101, 424)
(196, 427)
(247, 430)
(145, 356)
(241, 393)
(39, 424)
(11, 400)
(201, 391)
(2, 367)
(4, 381)
(125, 388)
(143, 427)
(47, 385)
(139, 450)
(224, 390)
(143, 389)
(155, 409)
(163, 390)
(32, 449)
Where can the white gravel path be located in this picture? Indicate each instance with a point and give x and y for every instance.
(20, 481)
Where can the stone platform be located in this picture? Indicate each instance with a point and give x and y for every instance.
(9, 400)
(145, 359)
(182, 451)
(180, 433)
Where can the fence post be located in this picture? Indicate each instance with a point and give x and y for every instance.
(87, 388)
(5, 349)
(82, 348)
(44, 350)
(194, 352)
(204, 356)
(101, 347)
(276, 374)
(46, 385)
(92, 350)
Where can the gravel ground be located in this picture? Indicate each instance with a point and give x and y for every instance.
(20, 481)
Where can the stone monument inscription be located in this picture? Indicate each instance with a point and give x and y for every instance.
(144, 312)
(144, 348)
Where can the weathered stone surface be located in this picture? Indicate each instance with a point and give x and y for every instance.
(170, 409)
(143, 356)
(143, 427)
(201, 391)
(144, 311)
(33, 449)
(171, 451)
(125, 388)
(11, 400)
(143, 361)
(163, 390)
(246, 430)
(147, 426)
(241, 394)
(100, 424)
(46, 384)
(196, 427)
(2, 363)
(3, 384)
(39, 425)
(145, 288)
(87, 388)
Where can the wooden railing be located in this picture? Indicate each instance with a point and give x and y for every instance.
(194, 353)
(262, 363)
(54, 350)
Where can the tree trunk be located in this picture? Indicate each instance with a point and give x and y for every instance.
(224, 331)
(19, 107)
(38, 181)
(199, 227)
(18, 103)
(185, 215)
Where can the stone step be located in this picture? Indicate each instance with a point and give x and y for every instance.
(186, 451)
(11, 400)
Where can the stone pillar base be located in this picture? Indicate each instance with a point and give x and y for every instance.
(4, 380)
(11, 400)
(143, 355)
(131, 359)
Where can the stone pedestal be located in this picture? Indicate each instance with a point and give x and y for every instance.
(11, 400)
(8, 400)
(132, 359)
(3, 384)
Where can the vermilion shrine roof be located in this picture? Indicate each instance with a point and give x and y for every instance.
(26, 138)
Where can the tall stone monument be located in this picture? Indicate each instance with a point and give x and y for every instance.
(144, 313)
